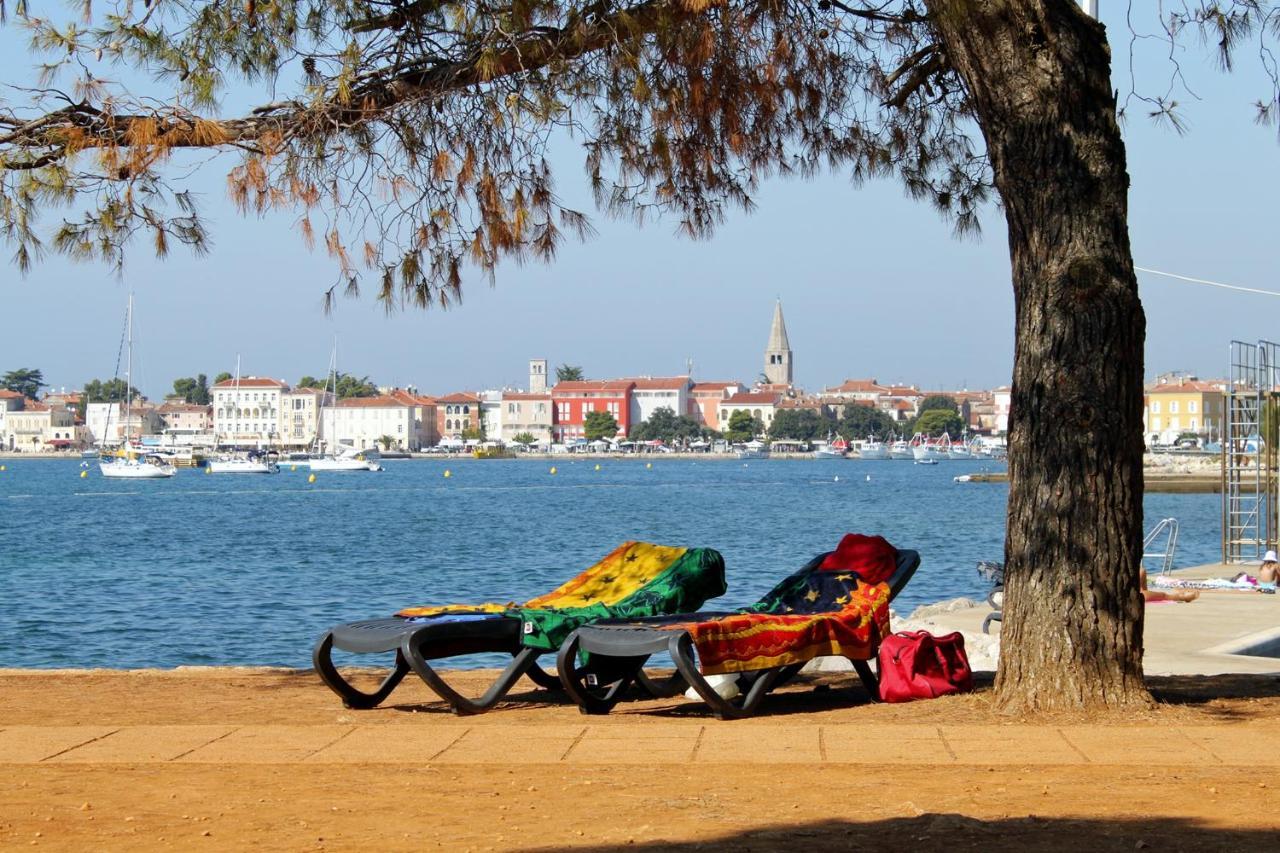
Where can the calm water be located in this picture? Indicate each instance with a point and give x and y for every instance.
(205, 569)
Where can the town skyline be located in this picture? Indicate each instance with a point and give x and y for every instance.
(875, 284)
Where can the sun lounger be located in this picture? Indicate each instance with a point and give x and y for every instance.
(823, 609)
(637, 579)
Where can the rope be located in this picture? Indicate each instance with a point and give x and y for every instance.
(1209, 283)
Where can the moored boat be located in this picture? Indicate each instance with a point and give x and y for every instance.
(873, 448)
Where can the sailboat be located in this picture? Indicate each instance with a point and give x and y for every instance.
(341, 457)
(127, 461)
(242, 463)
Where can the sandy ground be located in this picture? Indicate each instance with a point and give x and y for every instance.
(1136, 782)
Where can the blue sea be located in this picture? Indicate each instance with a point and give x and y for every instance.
(249, 570)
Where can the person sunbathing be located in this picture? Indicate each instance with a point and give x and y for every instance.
(1270, 568)
(1183, 595)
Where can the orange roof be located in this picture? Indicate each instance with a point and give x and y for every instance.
(168, 408)
(904, 391)
(251, 382)
(652, 383)
(33, 406)
(412, 399)
(753, 397)
(380, 402)
(852, 386)
(300, 390)
(902, 406)
(1193, 386)
(10, 395)
(460, 397)
(593, 385)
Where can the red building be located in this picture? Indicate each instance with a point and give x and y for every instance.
(457, 413)
(572, 401)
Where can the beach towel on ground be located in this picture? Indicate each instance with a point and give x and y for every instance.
(636, 579)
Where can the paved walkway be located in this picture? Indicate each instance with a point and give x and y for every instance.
(1249, 745)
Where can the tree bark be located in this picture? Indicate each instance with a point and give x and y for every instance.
(1038, 72)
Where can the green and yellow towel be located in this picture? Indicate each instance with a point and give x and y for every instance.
(636, 579)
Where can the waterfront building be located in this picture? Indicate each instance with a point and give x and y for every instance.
(901, 402)
(175, 415)
(778, 366)
(106, 424)
(425, 433)
(573, 401)
(1000, 400)
(248, 410)
(855, 389)
(1180, 404)
(706, 398)
(456, 414)
(10, 401)
(490, 414)
(648, 394)
(761, 405)
(39, 426)
(299, 423)
(363, 422)
(526, 412)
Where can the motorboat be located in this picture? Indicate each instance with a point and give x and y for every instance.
(901, 449)
(348, 459)
(922, 448)
(242, 463)
(873, 448)
(754, 450)
(926, 461)
(836, 449)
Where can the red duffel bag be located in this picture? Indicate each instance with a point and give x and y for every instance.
(918, 665)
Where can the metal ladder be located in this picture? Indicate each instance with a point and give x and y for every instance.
(1248, 506)
(1168, 527)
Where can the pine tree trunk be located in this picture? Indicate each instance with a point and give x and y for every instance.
(1038, 72)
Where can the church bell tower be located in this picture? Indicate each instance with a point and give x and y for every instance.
(777, 355)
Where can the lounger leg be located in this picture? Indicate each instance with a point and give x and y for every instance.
(542, 678)
(868, 677)
(574, 679)
(322, 657)
(681, 649)
(462, 705)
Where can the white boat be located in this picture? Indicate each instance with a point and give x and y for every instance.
(128, 462)
(873, 448)
(934, 451)
(237, 463)
(901, 449)
(832, 449)
(754, 450)
(926, 461)
(348, 459)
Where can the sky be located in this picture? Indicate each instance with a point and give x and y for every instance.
(872, 284)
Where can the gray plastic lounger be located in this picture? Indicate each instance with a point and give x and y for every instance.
(815, 612)
(637, 579)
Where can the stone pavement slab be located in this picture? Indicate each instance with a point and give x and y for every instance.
(677, 743)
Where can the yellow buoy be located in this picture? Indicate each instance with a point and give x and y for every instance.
(84, 474)
(293, 467)
(2, 468)
(208, 470)
(447, 473)
(311, 478)
(553, 470)
(597, 466)
(648, 464)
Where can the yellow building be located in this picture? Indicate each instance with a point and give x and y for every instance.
(1180, 406)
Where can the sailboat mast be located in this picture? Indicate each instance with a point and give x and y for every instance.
(128, 374)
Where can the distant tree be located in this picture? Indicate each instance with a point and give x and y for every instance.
(935, 402)
(473, 434)
(598, 425)
(111, 391)
(346, 385)
(524, 438)
(222, 377)
(193, 390)
(25, 381)
(386, 441)
(665, 425)
(568, 373)
(861, 421)
(799, 425)
(743, 426)
(937, 421)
